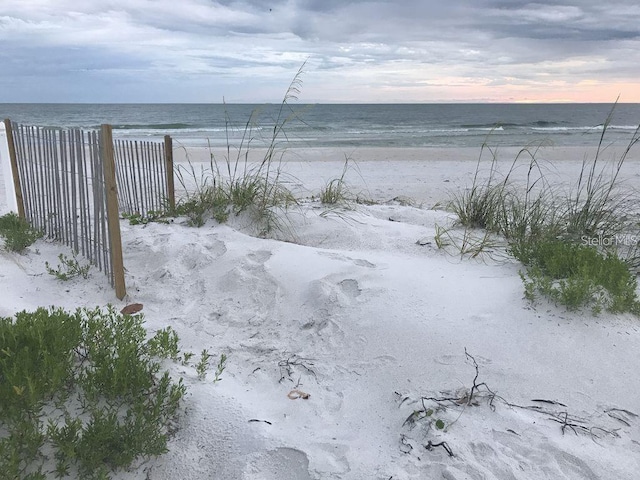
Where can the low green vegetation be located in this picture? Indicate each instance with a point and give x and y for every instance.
(17, 232)
(68, 268)
(84, 394)
(577, 276)
(158, 216)
(580, 248)
(258, 191)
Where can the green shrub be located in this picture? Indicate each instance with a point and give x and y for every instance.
(196, 207)
(98, 383)
(17, 232)
(577, 275)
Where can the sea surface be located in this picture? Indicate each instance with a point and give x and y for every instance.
(346, 125)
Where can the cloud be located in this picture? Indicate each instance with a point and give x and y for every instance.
(381, 50)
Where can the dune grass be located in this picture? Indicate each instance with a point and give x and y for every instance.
(337, 195)
(237, 184)
(568, 241)
(336, 192)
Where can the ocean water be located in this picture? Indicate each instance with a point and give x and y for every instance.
(346, 125)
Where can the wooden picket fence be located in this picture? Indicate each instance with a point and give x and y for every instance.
(67, 184)
(144, 173)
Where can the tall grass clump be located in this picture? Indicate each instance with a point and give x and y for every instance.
(336, 192)
(478, 206)
(238, 185)
(571, 242)
(338, 195)
(596, 207)
(495, 206)
(501, 206)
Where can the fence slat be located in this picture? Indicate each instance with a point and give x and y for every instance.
(168, 155)
(141, 173)
(64, 183)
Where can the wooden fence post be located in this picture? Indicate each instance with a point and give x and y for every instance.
(171, 189)
(113, 215)
(17, 186)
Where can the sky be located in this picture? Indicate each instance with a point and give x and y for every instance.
(385, 51)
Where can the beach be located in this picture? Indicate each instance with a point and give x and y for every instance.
(428, 176)
(359, 309)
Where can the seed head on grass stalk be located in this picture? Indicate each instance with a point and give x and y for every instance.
(596, 208)
(239, 186)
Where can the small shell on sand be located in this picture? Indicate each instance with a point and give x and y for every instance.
(131, 309)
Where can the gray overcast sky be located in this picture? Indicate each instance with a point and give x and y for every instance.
(356, 51)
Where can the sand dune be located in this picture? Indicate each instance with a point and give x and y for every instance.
(352, 310)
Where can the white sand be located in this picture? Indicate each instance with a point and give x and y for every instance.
(427, 175)
(370, 322)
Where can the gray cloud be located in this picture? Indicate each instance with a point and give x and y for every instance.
(384, 50)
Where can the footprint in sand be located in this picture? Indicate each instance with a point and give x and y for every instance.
(251, 292)
(194, 256)
(360, 262)
(326, 301)
(363, 263)
(508, 455)
(449, 359)
(335, 462)
(279, 464)
(350, 287)
(259, 256)
(385, 360)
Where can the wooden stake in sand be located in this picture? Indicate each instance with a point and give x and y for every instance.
(113, 216)
(14, 168)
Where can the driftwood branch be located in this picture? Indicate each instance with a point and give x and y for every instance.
(481, 390)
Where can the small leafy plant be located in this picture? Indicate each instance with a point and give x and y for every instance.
(164, 344)
(151, 216)
(68, 268)
(425, 414)
(222, 364)
(203, 365)
(17, 232)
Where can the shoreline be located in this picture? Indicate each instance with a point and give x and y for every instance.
(368, 153)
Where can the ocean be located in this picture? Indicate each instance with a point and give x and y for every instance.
(346, 125)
